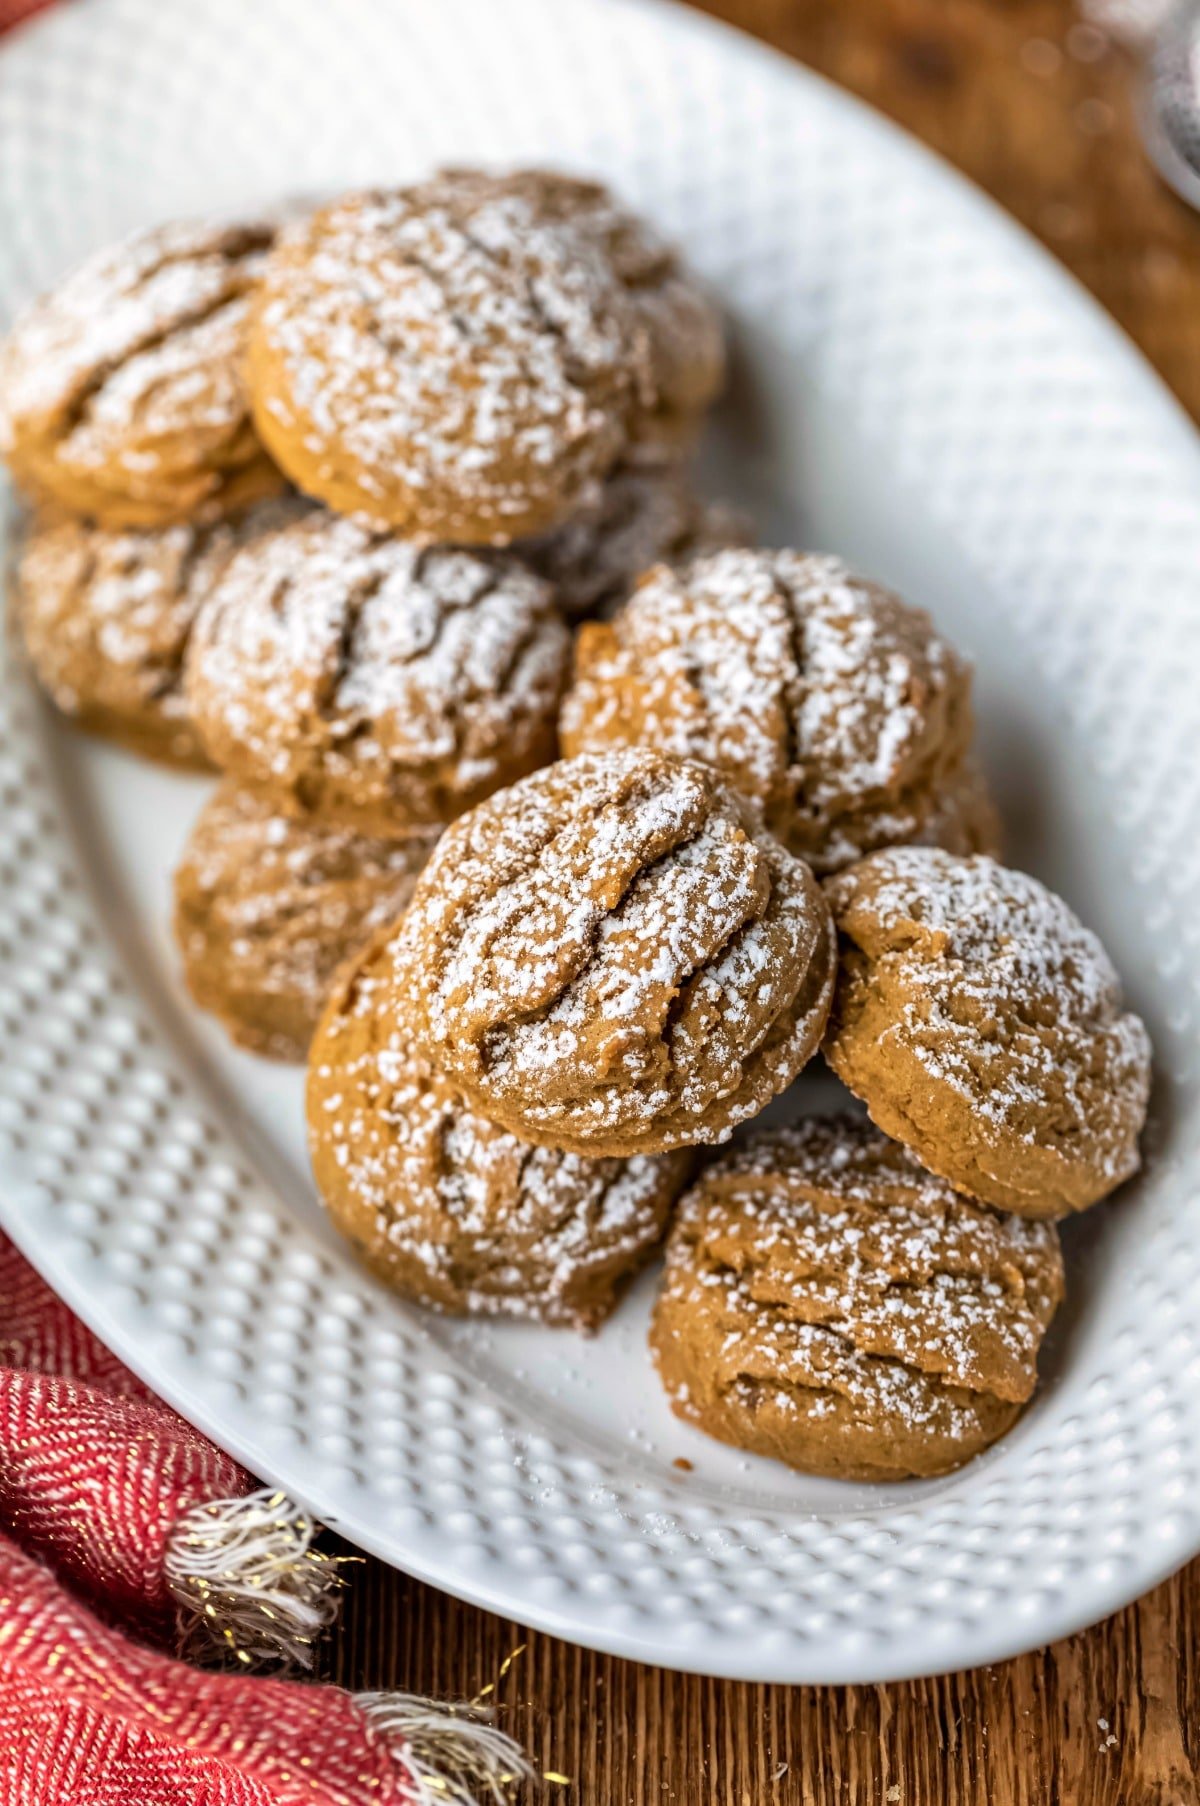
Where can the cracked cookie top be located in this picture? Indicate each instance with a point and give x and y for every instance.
(371, 683)
(451, 1209)
(612, 957)
(121, 391)
(267, 908)
(823, 697)
(106, 615)
(682, 329)
(983, 1026)
(458, 359)
(829, 1302)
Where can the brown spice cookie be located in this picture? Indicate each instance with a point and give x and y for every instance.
(612, 957)
(448, 1208)
(829, 1303)
(267, 909)
(683, 330)
(461, 358)
(963, 817)
(371, 683)
(822, 696)
(644, 513)
(121, 393)
(982, 1025)
(106, 616)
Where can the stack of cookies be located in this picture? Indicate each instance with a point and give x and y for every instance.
(264, 538)
(379, 513)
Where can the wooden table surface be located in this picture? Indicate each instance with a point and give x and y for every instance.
(1039, 112)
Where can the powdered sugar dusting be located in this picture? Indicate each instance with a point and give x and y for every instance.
(333, 662)
(680, 330)
(267, 908)
(128, 375)
(1002, 996)
(107, 615)
(864, 692)
(846, 1285)
(126, 300)
(859, 1238)
(460, 358)
(822, 696)
(187, 386)
(455, 1210)
(642, 514)
(606, 953)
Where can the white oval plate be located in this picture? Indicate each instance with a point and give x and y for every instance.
(917, 387)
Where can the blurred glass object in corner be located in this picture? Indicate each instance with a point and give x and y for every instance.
(1171, 100)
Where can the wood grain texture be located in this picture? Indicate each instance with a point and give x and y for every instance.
(1042, 116)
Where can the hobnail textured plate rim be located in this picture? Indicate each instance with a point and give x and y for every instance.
(1061, 475)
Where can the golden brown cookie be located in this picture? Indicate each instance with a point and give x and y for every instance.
(823, 697)
(121, 391)
(106, 615)
(373, 684)
(683, 329)
(612, 958)
(959, 816)
(829, 1303)
(451, 1210)
(267, 909)
(963, 817)
(982, 1025)
(644, 513)
(460, 359)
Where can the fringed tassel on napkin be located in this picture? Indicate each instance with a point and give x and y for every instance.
(247, 1582)
(251, 1588)
(87, 1713)
(453, 1754)
(106, 1492)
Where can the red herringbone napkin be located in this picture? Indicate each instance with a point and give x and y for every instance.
(115, 1513)
(13, 11)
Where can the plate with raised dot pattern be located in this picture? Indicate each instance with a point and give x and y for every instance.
(916, 386)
